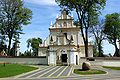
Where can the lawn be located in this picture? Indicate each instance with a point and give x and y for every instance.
(89, 72)
(114, 68)
(14, 69)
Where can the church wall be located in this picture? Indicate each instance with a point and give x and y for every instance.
(42, 52)
(80, 39)
(74, 39)
(73, 58)
(52, 58)
(82, 52)
(90, 51)
(46, 42)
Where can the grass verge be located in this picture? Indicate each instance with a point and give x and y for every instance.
(88, 72)
(114, 68)
(14, 69)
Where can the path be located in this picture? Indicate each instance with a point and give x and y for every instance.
(48, 72)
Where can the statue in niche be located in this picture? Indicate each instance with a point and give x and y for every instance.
(65, 24)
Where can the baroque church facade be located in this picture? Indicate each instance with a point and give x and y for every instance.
(64, 45)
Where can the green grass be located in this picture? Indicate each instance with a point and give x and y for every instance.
(14, 69)
(114, 68)
(88, 72)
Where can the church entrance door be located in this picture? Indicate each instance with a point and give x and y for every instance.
(64, 58)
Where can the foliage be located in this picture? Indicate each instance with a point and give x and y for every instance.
(112, 30)
(99, 36)
(27, 53)
(14, 69)
(87, 13)
(34, 43)
(2, 46)
(13, 16)
(89, 72)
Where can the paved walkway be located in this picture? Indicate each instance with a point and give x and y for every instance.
(49, 72)
(65, 73)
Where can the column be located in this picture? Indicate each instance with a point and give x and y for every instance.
(52, 58)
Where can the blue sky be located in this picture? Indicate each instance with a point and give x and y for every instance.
(45, 11)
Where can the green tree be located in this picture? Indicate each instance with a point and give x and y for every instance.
(14, 15)
(99, 36)
(2, 36)
(112, 30)
(34, 43)
(87, 11)
(27, 53)
(2, 33)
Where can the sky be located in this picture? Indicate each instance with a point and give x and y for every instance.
(45, 11)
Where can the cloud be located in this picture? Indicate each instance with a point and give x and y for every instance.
(42, 2)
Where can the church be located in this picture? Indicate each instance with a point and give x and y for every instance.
(64, 45)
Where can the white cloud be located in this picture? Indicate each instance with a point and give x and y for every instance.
(42, 2)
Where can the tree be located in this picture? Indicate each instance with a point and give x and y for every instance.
(13, 51)
(2, 46)
(27, 53)
(112, 30)
(87, 11)
(99, 36)
(14, 15)
(2, 34)
(34, 43)
(95, 50)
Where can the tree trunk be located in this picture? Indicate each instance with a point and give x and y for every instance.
(36, 52)
(86, 49)
(116, 54)
(84, 36)
(86, 43)
(100, 50)
(9, 46)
